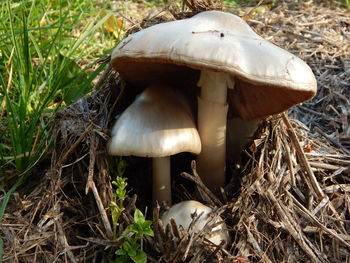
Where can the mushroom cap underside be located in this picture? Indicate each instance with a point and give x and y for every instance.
(217, 41)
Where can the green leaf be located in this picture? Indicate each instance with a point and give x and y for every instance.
(148, 232)
(1, 249)
(147, 224)
(7, 196)
(121, 259)
(139, 257)
(130, 249)
(135, 228)
(120, 252)
(139, 218)
(72, 80)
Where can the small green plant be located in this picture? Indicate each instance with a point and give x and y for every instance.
(117, 207)
(132, 236)
(131, 239)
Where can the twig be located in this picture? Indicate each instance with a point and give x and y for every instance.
(335, 188)
(201, 186)
(326, 166)
(339, 145)
(63, 240)
(254, 243)
(93, 147)
(311, 217)
(302, 158)
(288, 224)
(315, 229)
(289, 162)
(72, 148)
(304, 162)
(103, 213)
(104, 75)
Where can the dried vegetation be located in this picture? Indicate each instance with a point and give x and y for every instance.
(293, 204)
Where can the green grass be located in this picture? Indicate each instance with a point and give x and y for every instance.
(42, 43)
(47, 53)
(346, 3)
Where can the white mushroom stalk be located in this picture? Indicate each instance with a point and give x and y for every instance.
(161, 179)
(212, 118)
(157, 124)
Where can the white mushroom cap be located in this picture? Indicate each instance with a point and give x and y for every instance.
(182, 214)
(268, 79)
(158, 123)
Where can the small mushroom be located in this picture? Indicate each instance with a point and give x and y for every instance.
(185, 212)
(157, 124)
(233, 66)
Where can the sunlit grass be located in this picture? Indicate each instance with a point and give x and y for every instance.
(346, 3)
(47, 54)
(47, 50)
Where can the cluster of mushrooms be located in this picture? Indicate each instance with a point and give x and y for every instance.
(239, 77)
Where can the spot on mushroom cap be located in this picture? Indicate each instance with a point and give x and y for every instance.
(217, 41)
(158, 123)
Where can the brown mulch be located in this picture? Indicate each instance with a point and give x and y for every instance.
(293, 203)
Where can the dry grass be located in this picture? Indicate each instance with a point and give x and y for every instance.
(293, 202)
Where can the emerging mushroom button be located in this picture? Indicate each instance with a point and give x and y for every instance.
(185, 212)
(222, 52)
(157, 124)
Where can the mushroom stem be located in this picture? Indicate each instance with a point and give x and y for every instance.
(212, 117)
(213, 86)
(161, 186)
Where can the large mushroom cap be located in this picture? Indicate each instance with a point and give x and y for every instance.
(268, 79)
(158, 123)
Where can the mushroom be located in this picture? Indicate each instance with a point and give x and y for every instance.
(186, 211)
(220, 51)
(157, 124)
